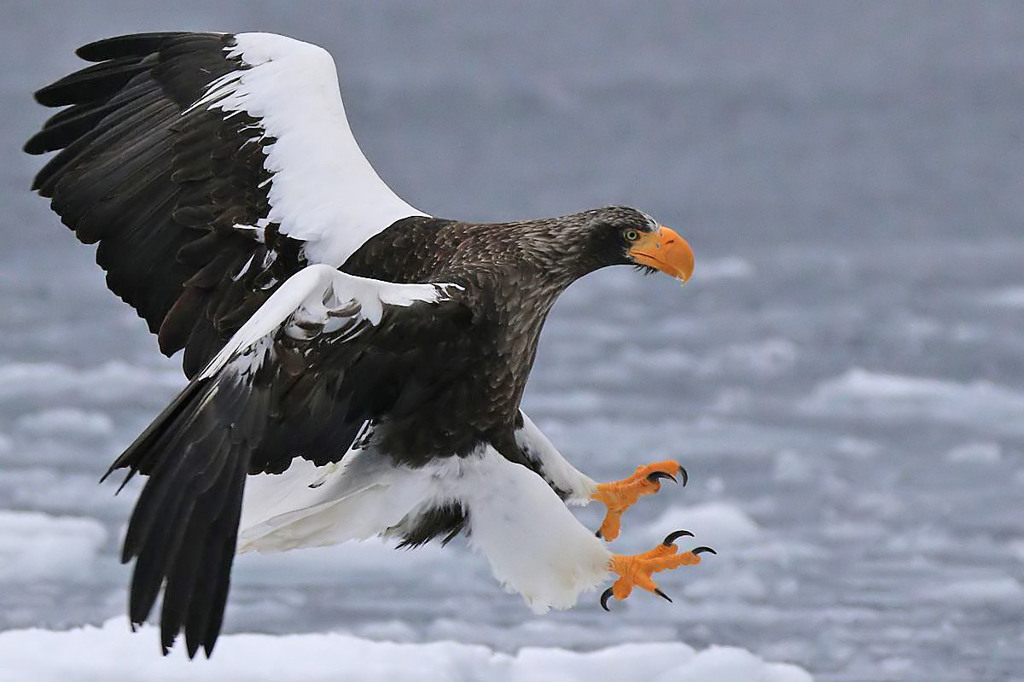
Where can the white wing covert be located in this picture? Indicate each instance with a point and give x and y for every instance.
(324, 355)
(209, 168)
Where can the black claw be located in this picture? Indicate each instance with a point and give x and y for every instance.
(658, 475)
(682, 474)
(605, 596)
(661, 594)
(701, 550)
(671, 538)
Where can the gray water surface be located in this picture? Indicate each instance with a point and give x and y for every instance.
(843, 378)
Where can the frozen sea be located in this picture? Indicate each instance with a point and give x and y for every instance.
(843, 378)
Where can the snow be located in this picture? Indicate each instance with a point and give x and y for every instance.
(719, 524)
(44, 489)
(727, 584)
(530, 633)
(107, 652)
(66, 421)
(109, 382)
(725, 663)
(857, 448)
(37, 547)
(793, 467)
(765, 358)
(996, 590)
(839, 373)
(1010, 297)
(730, 267)
(977, 452)
(875, 395)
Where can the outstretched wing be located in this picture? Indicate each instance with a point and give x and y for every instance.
(327, 352)
(210, 168)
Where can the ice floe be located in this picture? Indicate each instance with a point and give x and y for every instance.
(112, 652)
(978, 452)
(62, 492)
(726, 585)
(65, 421)
(729, 267)
(36, 546)
(109, 382)
(721, 524)
(792, 467)
(1010, 297)
(551, 632)
(988, 589)
(893, 397)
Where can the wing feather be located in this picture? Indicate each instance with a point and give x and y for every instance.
(327, 352)
(189, 156)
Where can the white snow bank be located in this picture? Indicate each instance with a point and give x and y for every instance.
(112, 652)
(111, 381)
(35, 547)
(861, 393)
(526, 633)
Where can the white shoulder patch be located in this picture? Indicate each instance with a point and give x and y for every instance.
(313, 292)
(323, 190)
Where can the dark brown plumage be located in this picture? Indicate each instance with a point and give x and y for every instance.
(512, 273)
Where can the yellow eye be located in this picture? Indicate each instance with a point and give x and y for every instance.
(632, 235)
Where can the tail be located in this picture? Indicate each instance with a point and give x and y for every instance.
(184, 528)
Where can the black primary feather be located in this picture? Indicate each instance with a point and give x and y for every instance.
(162, 185)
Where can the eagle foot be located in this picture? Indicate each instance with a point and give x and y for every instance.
(635, 570)
(618, 496)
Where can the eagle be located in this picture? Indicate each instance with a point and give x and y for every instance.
(355, 365)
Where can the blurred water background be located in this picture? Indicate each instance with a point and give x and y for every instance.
(843, 378)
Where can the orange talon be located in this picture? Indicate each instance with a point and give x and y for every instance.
(618, 496)
(635, 570)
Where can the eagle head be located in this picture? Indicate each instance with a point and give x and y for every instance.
(618, 235)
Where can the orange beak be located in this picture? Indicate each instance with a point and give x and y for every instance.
(664, 250)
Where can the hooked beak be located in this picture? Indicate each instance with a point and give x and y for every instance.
(664, 250)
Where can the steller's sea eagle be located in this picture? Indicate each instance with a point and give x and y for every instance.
(356, 366)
